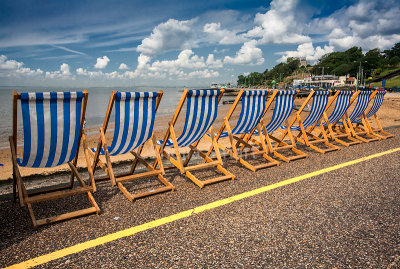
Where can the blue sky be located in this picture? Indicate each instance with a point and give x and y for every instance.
(176, 43)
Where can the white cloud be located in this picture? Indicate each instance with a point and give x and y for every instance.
(123, 66)
(177, 69)
(186, 59)
(63, 73)
(279, 25)
(248, 54)
(211, 62)
(9, 64)
(224, 37)
(306, 50)
(203, 74)
(102, 62)
(13, 68)
(366, 24)
(168, 36)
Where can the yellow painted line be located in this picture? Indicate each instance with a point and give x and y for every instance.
(155, 223)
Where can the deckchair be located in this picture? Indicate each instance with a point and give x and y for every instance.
(364, 97)
(364, 125)
(343, 99)
(305, 127)
(134, 121)
(284, 100)
(53, 130)
(201, 112)
(252, 111)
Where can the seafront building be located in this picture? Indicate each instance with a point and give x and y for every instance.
(326, 81)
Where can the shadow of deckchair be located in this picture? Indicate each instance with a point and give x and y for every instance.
(53, 130)
(134, 121)
(201, 112)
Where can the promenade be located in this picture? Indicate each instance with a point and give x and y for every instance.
(338, 210)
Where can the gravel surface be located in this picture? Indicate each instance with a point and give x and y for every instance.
(347, 218)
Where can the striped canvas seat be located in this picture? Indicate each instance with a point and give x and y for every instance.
(360, 107)
(53, 131)
(341, 106)
(253, 106)
(320, 100)
(134, 121)
(306, 127)
(51, 127)
(201, 112)
(135, 113)
(253, 109)
(283, 109)
(284, 100)
(375, 106)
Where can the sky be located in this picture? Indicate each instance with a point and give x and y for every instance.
(178, 43)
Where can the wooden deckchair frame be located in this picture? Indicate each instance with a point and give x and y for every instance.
(183, 166)
(306, 136)
(27, 198)
(118, 179)
(280, 144)
(237, 141)
(365, 125)
(366, 132)
(334, 132)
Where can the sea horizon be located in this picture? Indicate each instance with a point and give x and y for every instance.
(96, 108)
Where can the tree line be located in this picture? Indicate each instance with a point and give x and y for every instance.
(348, 62)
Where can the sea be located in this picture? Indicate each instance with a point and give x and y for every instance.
(97, 105)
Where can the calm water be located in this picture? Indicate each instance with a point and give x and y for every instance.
(97, 105)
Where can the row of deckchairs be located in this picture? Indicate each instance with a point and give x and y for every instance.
(53, 129)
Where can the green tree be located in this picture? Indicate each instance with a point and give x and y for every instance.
(395, 60)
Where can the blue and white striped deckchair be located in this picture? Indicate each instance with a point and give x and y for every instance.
(135, 113)
(363, 100)
(379, 132)
(251, 114)
(52, 128)
(305, 127)
(343, 98)
(201, 112)
(284, 100)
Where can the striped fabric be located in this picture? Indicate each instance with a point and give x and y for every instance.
(360, 107)
(320, 100)
(253, 106)
(201, 112)
(134, 121)
(52, 126)
(283, 107)
(341, 106)
(378, 100)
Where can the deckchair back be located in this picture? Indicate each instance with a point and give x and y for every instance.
(378, 100)
(342, 104)
(283, 107)
(201, 111)
(51, 127)
(253, 106)
(320, 100)
(134, 120)
(361, 105)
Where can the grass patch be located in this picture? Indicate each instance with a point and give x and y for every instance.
(394, 82)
